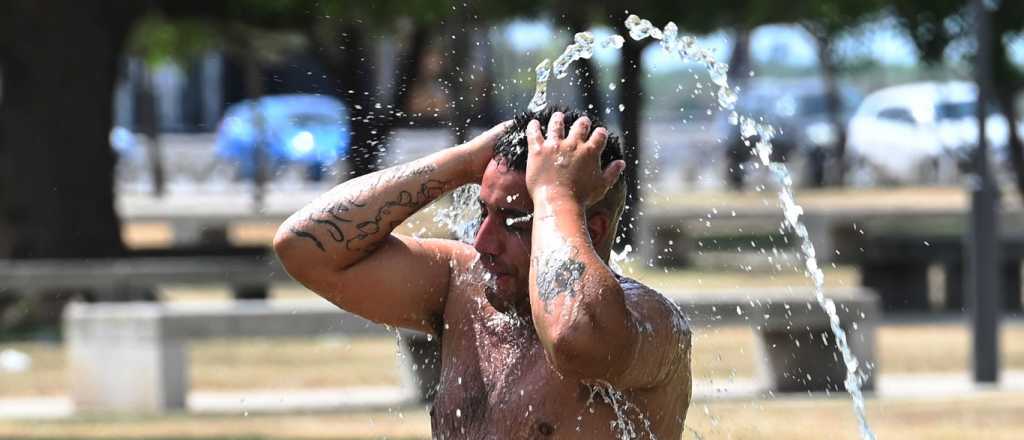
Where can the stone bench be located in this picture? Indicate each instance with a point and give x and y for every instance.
(133, 357)
(896, 266)
(247, 270)
(103, 338)
(790, 329)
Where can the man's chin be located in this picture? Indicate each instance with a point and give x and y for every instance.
(505, 300)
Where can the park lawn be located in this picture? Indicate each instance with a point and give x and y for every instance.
(719, 352)
(976, 416)
(903, 198)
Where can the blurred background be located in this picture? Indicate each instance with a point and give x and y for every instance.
(148, 151)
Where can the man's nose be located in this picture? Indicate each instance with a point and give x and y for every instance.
(488, 238)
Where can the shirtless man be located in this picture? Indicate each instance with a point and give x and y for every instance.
(539, 337)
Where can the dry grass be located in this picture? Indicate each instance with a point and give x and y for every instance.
(719, 352)
(980, 416)
(902, 198)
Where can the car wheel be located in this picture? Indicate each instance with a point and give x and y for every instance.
(862, 174)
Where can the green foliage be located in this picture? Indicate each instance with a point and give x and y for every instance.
(157, 39)
(931, 24)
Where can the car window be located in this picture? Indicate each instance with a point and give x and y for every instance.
(308, 119)
(896, 114)
(955, 110)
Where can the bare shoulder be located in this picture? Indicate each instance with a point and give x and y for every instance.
(651, 308)
(661, 358)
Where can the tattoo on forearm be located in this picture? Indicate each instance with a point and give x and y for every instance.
(304, 234)
(332, 218)
(559, 271)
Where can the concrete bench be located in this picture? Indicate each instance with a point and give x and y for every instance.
(108, 278)
(103, 338)
(132, 356)
(896, 266)
(791, 331)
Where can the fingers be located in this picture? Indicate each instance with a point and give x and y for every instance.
(533, 136)
(556, 127)
(579, 130)
(598, 138)
(612, 172)
(501, 128)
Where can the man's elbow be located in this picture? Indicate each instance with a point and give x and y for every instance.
(287, 247)
(589, 353)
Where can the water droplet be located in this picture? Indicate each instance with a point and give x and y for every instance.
(719, 73)
(727, 98)
(622, 107)
(670, 39)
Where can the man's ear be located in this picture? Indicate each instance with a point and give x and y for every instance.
(598, 226)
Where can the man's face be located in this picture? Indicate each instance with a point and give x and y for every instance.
(504, 237)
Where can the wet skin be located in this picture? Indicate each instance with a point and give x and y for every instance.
(519, 355)
(496, 381)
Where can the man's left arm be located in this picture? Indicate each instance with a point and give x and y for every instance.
(586, 323)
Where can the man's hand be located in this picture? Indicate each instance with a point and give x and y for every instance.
(571, 165)
(480, 150)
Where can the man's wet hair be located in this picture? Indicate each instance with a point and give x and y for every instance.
(511, 149)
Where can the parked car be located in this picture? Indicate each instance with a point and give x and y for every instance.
(799, 110)
(308, 130)
(919, 132)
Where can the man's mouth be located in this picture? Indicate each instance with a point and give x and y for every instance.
(494, 270)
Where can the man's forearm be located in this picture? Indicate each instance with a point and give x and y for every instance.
(577, 303)
(349, 221)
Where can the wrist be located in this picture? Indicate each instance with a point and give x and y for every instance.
(548, 198)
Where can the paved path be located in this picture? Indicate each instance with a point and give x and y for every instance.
(890, 386)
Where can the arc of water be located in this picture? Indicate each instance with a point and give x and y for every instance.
(688, 50)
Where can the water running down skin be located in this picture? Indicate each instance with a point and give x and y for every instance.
(540, 339)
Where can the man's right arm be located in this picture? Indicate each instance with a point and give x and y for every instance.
(341, 245)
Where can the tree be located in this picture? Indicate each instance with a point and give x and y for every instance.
(56, 184)
(933, 25)
(826, 21)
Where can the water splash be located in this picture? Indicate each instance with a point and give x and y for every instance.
(687, 49)
(623, 425)
(462, 218)
(582, 47)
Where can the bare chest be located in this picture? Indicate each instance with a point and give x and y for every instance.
(497, 383)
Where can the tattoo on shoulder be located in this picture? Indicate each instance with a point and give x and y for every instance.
(337, 220)
(559, 271)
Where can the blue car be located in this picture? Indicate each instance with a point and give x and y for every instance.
(309, 130)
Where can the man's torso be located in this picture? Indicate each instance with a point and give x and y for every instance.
(497, 383)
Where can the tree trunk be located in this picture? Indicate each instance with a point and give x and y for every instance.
(1007, 84)
(835, 108)
(55, 119)
(145, 105)
(1014, 144)
(739, 152)
(631, 96)
(56, 163)
(351, 66)
(354, 71)
(739, 61)
(456, 79)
